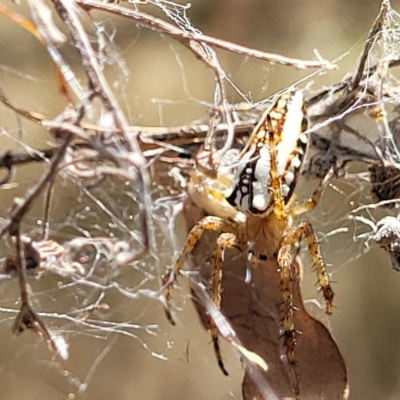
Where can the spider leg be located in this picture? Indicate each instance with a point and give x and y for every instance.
(223, 242)
(275, 179)
(305, 231)
(293, 237)
(206, 224)
(289, 339)
(309, 204)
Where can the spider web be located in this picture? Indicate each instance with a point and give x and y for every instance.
(109, 314)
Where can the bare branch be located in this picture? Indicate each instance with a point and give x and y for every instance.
(186, 37)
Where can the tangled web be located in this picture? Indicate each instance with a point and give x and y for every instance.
(95, 206)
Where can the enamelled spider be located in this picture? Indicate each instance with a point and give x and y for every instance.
(262, 182)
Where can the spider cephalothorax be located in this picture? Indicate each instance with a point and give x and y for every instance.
(261, 185)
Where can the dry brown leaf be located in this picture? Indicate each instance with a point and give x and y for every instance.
(253, 311)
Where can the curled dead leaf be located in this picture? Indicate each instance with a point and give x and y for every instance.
(251, 305)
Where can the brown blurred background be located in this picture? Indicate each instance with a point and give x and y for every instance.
(167, 86)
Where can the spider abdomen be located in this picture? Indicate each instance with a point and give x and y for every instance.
(251, 191)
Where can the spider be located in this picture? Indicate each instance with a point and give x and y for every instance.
(260, 185)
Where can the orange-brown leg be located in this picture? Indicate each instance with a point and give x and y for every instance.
(207, 223)
(305, 231)
(289, 332)
(309, 204)
(224, 241)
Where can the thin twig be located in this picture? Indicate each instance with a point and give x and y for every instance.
(28, 318)
(100, 87)
(185, 37)
(22, 206)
